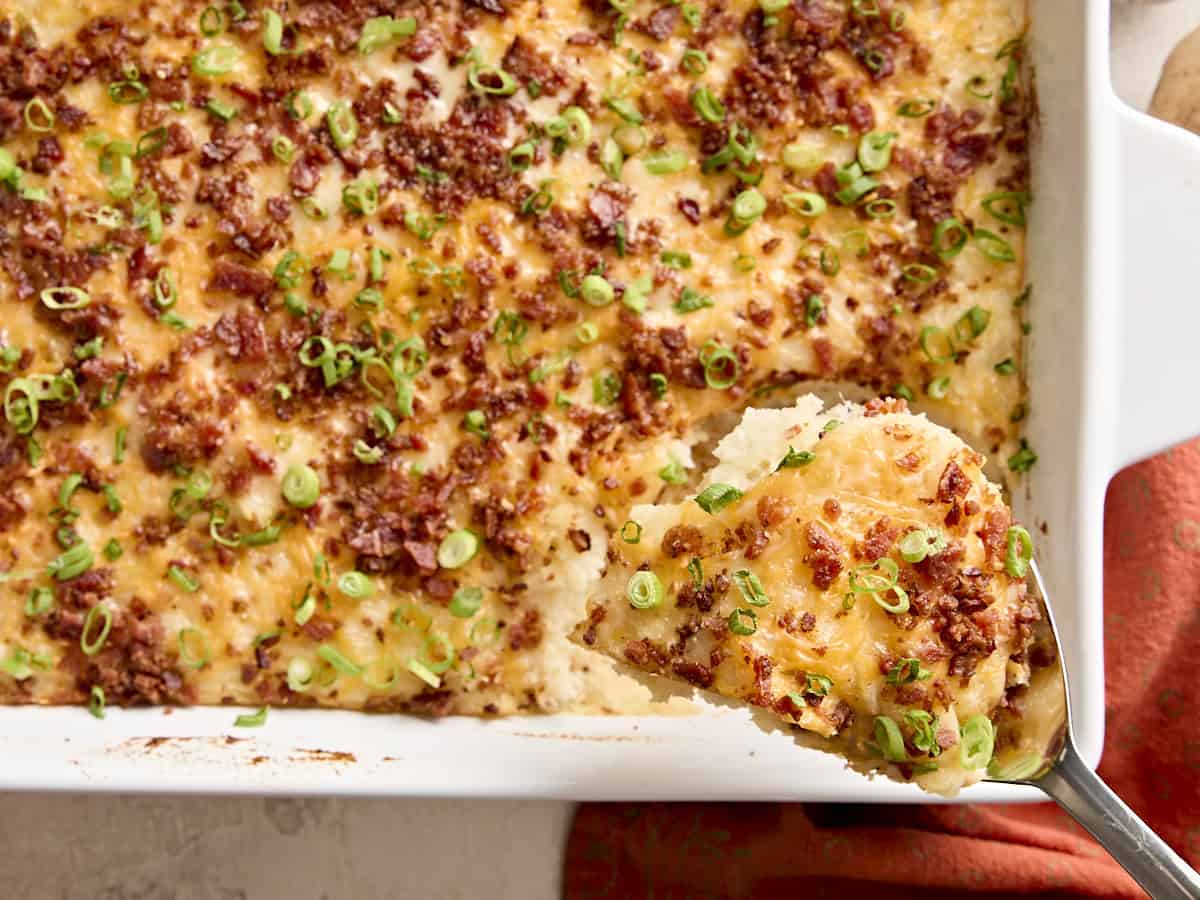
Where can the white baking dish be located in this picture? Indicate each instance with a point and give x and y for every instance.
(1112, 360)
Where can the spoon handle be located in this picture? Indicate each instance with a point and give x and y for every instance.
(1145, 856)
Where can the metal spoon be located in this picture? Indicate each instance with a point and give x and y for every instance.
(1066, 778)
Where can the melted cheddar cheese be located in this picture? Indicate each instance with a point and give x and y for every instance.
(476, 264)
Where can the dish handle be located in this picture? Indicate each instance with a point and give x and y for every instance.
(1159, 226)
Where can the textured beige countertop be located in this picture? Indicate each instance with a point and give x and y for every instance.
(67, 847)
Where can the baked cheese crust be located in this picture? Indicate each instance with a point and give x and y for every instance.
(337, 339)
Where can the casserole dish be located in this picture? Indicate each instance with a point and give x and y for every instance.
(1086, 142)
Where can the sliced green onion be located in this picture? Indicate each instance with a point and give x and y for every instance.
(491, 80)
(421, 670)
(631, 532)
(691, 300)
(919, 273)
(938, 387)
(1005, 367)
(303, 611)
(298, 105)
(1007, 206)
(949, 238)
(96, 701)
(707, 106)
(673, 472)
(644, 590)
(596, 291)
(814, 310)
(924, 737)
(283, 148)
(751, 587)
(68, 488)
(112, 550)
(458, 548)
(877, 579)
(218, 60)
(223, 111)
(1021, 769)
(466, 602)
(978, 742)
(977, 87)
(880, 208)
(301, 486)
(299, 675)
(993, 246)
(272, 32)
(185, 582)
(721, 366)
(521, 157)
(795, 459)
(438, 652)
(747, 207)
(936, 344)
(288, 271)
(1023, 459)
(1019, 545)
(716, 497)
(805, 203)
(212, 21)
(694, 62)
(972, 324)
(361, 196)
(342, 124)
(907, 671)
(91, 646)
(38, 116)
(587, 333)
(889, 739)
(630, 138)
(743, 621)
(71, 563)
(875, 150)
(332, 656)
(366, 454)
(355, 585)
(801, 157)
(193, 648)
(20, 662)
(127, 92)
(855, 185)
(66, 297)
(263, 537)
(572, 125)
(612, 160)
(625, 109)
(665, 162)
(380, 31)
(39, 602)
(251, 720)
(916, 545)
(830, 262)
(539, 201)
(475, 422)
(916, 109)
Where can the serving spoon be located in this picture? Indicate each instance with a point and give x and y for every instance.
(1068, 780)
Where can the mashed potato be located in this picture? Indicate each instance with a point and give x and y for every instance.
(851, 571)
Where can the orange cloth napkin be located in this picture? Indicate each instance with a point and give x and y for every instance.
(1151, 758)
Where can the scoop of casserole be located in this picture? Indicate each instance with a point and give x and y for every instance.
(852, 572)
